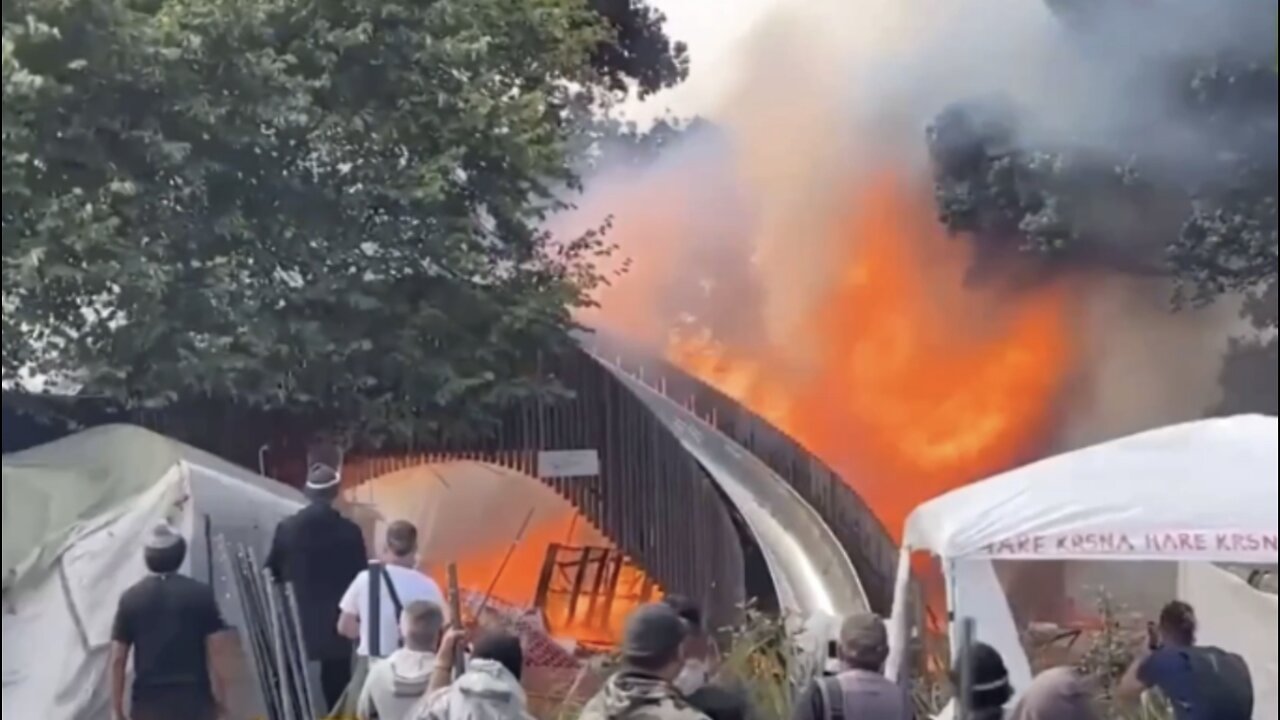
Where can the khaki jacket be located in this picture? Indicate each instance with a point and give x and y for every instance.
(631, 695)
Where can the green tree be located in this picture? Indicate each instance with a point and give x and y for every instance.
(636, 54)
(326, 208)
(1203, 213)
(1250, 382)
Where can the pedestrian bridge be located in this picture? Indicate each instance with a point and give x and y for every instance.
(708, 499)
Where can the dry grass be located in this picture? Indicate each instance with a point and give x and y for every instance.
(762, 659)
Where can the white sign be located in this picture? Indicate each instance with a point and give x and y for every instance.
(568, 463)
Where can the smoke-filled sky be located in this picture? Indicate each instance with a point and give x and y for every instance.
(713, 29)
(791, 254)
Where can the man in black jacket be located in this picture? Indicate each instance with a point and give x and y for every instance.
(320, 552)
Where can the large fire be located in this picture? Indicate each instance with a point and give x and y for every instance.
(514, 541)
(903, 379)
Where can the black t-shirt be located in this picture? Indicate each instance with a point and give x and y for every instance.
(167, 619)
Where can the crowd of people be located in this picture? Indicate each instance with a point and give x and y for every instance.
(398, 662)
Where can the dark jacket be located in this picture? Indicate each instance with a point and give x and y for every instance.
(319, 552)
(865, 696)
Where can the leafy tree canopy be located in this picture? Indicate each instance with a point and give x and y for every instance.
(636, 53)
(326, 208)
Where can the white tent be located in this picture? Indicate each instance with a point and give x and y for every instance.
(1203, 491)
(76, 512)
(1234, 615)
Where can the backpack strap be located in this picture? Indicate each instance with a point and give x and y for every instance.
(391, 592)
(832, 694)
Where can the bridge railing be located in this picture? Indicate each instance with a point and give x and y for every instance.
(870, 546)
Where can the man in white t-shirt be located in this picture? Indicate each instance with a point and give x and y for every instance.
(407, 584)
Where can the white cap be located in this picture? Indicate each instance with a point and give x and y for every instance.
(163, 536)
(322, 477)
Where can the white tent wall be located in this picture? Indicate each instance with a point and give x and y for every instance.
(976, 593)
(57, 625)
(237, 505)
(1232, 615)
(244, 509)
(57, 633)
(1239, 618)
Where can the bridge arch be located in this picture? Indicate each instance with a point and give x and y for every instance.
(651, 498)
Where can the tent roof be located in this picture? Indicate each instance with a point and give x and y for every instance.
(1203, 489)
(49, 488)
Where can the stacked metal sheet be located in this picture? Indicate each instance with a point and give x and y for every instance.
(271, 633)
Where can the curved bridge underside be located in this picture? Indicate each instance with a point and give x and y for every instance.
(811, 572)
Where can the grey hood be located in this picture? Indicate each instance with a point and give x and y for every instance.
(396, 684)
(486, 691)
(411, 672)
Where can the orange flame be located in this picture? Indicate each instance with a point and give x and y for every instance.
(911, 383)
(512, 574)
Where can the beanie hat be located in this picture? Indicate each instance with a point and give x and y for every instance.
(991, 688)
(653, 632)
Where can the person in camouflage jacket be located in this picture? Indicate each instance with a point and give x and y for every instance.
(651, 659)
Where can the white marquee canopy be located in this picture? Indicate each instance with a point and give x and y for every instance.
(1200, 491)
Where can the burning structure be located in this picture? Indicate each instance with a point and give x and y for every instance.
(592, 545)
(516, 542)
(792, 255)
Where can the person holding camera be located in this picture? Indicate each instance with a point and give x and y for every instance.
(1201, 682)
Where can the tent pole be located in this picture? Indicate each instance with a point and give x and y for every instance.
(965, 659)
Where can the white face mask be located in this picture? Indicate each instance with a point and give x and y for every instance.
(694, 675)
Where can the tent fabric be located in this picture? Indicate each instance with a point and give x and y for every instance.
(975, 585)
(58, 632)
(1201, 491)
(1239, 618)
(76, 512)
(50, 489)
(1205, 489)
(47, 490)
